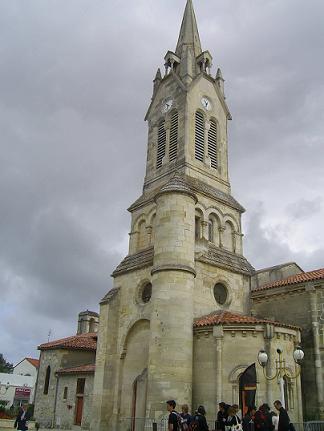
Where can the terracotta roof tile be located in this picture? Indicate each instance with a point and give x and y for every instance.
(317, 274)
(81, 369)
(77, 342)
(34, 362)
(227, 318)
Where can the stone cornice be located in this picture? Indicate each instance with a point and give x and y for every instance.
(173, 267)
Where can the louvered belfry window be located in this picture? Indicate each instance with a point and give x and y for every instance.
(212, 144)
(173, 149)
(199, 136)
(160, 144)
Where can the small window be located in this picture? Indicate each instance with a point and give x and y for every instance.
(199, 136)
(47, 380)
(220, 293)
(80, 386)
(65, 393)
(146, 293)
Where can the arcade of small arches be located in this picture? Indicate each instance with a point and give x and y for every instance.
(212, 225)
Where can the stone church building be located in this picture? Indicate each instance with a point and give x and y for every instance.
(188, 314)
(180, 322)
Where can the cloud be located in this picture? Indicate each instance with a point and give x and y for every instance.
(75, 83)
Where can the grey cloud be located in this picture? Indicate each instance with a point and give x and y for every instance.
(303, 209)
(75, 82)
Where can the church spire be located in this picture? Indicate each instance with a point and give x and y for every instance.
(189, 35)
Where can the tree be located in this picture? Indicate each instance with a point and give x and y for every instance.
(5, 367)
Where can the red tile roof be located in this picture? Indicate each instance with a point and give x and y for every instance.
(33, 361)
(317, 274)
(77, 342)
(81, 369)
(227, 318)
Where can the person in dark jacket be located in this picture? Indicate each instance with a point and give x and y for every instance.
(248, 420)
(22, 418)
(199, 420)
(221, 416)
(186, 417)
(263, 420)
(232, 418)
(284, 421)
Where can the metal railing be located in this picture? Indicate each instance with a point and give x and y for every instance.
(149, 424)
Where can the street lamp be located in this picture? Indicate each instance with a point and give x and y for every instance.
(281, 369)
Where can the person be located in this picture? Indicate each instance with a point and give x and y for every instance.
(232, 418)
(199, 422)
(221, 416)
(237, 411)
(173, 421)
(248, 420)
(186, 418)
(284, 421)
(262, 419)
(22, 418)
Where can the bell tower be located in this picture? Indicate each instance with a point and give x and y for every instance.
(185, 254)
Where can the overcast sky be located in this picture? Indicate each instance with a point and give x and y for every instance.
(75, 83)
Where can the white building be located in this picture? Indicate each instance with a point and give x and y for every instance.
(19, 387)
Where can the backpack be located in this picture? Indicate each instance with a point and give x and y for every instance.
(194, 424)
(180, 422)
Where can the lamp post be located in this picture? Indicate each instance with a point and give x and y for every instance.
(281, 369)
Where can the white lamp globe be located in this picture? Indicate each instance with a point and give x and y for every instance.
(263, 358)
(298, 355)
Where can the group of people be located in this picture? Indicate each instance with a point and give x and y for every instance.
(230, 419)
(262, 419)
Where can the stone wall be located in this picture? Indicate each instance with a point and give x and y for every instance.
(222, 353)
(65, 408)
(56, 359)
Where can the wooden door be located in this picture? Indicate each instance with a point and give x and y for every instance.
(78, 410)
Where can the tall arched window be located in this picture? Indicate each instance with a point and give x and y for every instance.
(212, 144)
(199, 136)
(211, 230)
(47, 379)
(173, 148)
(160, 144)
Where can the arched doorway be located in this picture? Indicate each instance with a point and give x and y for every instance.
(247, 388)
(139, 402)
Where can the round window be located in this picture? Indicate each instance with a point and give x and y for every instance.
(220, 293)
(146, 293)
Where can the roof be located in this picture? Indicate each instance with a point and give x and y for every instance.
(304, 277)
(33, 361)
(81, 369)
(189, 35)
(228, 318)
(89, 313)
(77, 342)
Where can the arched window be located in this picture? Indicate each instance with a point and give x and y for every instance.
(211, 230)
(141, 243)
(229, 237)
(197, 227)
(47, 379)
(199, 136)
(212, 144)
(160, 144)
(65, 393)
(173, 149)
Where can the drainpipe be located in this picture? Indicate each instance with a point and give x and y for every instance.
(55, 401)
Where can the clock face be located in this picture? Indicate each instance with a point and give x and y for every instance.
(166, 105)
(206, 103)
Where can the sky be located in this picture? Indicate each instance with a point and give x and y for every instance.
(75, 84)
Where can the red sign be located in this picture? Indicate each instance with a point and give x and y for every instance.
(22, 393)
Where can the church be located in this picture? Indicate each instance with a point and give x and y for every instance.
(188, 317)
(181, 321)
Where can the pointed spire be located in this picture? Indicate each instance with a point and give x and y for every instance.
(157, 80)
(220, 80)
(189, 35)
(158, 75)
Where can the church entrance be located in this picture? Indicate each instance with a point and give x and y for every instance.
(139, 402)
(247, 388)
